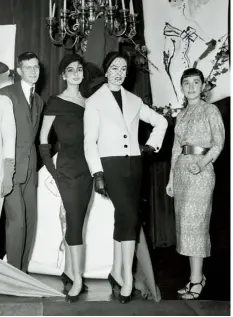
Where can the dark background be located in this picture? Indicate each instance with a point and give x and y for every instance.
(171, 269)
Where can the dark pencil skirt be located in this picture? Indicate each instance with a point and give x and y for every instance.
(123, 181)
(75, 195)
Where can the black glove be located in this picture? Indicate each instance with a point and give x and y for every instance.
(146, 149)
(100, 186)
(44, 150)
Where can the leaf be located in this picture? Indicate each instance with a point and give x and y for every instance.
(225, 70)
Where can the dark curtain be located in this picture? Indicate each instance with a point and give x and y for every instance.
(32, 35)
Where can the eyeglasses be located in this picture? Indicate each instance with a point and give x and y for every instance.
(31, 68)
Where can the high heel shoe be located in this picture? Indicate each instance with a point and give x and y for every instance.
(194, 295)
(113, 282)
(74, 298)
(66, 280)
(184, 289)
(125, 299)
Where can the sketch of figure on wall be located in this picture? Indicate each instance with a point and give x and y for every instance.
(183, 36)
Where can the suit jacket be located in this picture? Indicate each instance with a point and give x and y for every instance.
(27, 123)
(108, 132)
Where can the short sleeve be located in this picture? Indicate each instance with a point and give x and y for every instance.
(54, 107)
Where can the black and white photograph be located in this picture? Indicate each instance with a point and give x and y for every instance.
(115, 146)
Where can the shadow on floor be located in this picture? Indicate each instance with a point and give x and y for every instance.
(172, 273)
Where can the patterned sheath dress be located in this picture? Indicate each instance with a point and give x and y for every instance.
(199, 125)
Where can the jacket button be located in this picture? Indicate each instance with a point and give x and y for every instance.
(125, 136)
(125, 145)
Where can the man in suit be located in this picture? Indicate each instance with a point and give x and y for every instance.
(21, 203)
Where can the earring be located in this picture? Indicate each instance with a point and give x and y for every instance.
(203, 95)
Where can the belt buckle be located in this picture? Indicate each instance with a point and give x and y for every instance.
(185, 150)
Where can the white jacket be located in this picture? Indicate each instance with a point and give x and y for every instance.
(108, 132)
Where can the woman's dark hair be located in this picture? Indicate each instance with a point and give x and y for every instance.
(67, 60)
(70, 58)
(111, 56)
(192, 72)
(189, 73)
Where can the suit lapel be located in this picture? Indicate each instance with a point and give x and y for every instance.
(130, 107)
(113, 107)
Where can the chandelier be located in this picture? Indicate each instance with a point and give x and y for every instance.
(74, 20)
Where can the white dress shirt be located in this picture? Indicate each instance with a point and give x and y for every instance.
(26, 90)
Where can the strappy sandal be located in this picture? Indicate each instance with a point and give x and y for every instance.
(194, 295)
(185, 289)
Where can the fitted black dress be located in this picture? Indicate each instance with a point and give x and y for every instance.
(74, 179)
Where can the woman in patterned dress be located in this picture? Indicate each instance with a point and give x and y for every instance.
(199, 139)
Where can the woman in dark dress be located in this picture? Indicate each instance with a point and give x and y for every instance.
(65, 113)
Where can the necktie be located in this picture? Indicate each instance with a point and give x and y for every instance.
(31, 97)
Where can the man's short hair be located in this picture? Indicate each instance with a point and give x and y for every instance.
(26, 57)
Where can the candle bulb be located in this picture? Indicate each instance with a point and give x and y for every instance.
(131, 8)
(64, 5)
(110, 4)
(83, 3)
(50, 8)
(54, 6)
(123, 4)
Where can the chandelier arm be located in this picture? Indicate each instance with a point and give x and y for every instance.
(75, 7)
(71, 46)
(77, 21)
(68, 31)
(53, 39)
(99, 14)
(119, 34)
(123, 31)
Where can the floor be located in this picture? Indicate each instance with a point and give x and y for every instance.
(100, 302)
(172, 277)
(171, 272)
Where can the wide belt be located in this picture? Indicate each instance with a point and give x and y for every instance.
(196, 150)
